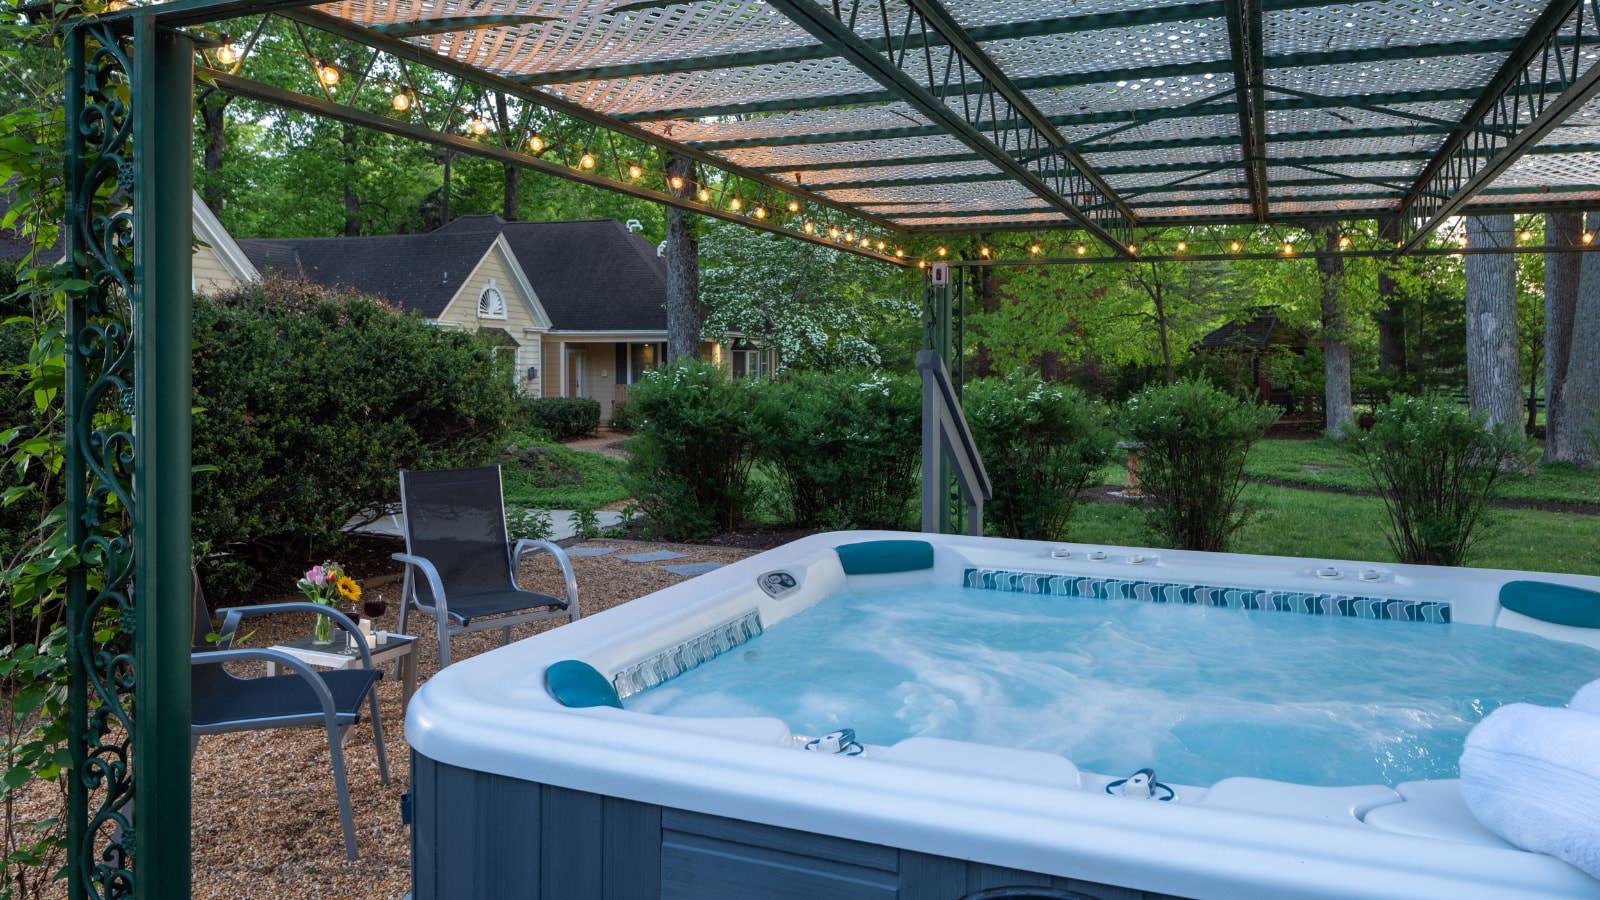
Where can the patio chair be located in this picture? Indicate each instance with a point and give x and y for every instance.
(223, 702)
(460, 567)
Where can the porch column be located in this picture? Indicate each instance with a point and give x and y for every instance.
(561, 352)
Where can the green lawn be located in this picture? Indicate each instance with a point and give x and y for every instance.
(1325, 464)
(1291, 522)
(561, 478)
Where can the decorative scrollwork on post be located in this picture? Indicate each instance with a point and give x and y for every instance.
(100, 446)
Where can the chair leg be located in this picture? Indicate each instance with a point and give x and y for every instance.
(336, 751)
(405, 603)
(444, 643)
(377, 736)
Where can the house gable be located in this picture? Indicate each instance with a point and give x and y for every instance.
(497, 269)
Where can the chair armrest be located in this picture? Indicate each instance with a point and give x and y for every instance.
(310, 675)
(526, 546)
(232, 615)
(435, 583)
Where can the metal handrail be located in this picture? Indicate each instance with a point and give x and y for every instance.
(945, 436)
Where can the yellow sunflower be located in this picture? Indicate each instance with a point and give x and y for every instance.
(348, 588)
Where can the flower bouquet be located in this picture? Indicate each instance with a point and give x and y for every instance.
(328, 585)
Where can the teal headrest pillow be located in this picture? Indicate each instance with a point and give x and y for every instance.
(884, 557)
(1559, 604)
(577, 684)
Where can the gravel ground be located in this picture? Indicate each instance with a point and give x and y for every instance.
(266, 819)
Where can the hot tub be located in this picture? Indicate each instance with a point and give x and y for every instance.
(999, 692)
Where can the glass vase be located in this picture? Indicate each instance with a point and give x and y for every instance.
(323, 634)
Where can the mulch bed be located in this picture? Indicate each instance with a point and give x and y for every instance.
(266, 819)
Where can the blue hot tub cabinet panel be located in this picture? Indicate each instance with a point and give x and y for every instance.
(1558, 604)
(885, 557)
(575, 683)
(1307, 602)
(477, 835)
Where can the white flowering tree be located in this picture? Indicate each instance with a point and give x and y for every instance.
(819, 307)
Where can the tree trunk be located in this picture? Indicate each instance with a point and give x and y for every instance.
(1157, 297)
(444, 190)
(214, 137)
(1337, 405)
(1391, 315)
(1494, 371)
(1580, 391)
(686, 315)
(1561, 229)
(509, 207)
(986, 289)
(352, 203)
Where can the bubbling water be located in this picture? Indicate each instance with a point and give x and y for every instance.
(1198, 693)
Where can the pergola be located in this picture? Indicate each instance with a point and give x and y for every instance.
(910, 131)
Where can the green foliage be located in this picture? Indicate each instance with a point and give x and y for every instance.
(1196, 438)
(623, 417)
(1436, 468)
(563, 418)
(844, 448)
(585, 523)
(543, 475)
(313, 400)
(689, 464)
(1042, 444)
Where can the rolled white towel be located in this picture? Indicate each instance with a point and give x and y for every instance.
(1531, 774)
(1587, 699)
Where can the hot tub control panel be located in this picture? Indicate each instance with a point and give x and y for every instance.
(778, 583)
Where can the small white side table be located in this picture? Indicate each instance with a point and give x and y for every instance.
(398, 648)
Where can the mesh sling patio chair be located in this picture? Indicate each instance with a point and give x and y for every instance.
(461, 568)
(223, 702)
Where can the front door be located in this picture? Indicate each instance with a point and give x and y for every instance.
(575, 380)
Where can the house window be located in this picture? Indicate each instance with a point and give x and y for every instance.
(491, 303)
(749, 361)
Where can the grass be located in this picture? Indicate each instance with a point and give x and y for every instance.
(1290, 522)
(562, 478)
(1323, 463)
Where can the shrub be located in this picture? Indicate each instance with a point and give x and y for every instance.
(623, 417)
(563, 418)
(311, 400)
(1041, 445)
(1196, 437)
(843, 448)
(689, 463)
(1436, 468)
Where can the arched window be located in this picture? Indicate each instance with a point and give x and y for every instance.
(491, 303)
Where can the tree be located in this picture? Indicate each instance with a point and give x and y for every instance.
(1494, 385)
(1561, 229)
(1581, 388)
(686, 313)
(1335, 333)
(1391, 314)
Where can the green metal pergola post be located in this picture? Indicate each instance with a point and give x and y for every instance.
(938, 336)
(162, 324)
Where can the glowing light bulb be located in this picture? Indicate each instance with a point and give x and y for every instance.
(942, 251)
(586, 161)
(881, 245)
(478, 125)
(1588, 237)
(1344, 242)
(1081, 249)
(922, 264)
(1461, 239)
(401, 101)
(850, 234)
(328, 75)
(794, 206)
(809, 227)
(676, 182)
(761, 212)
(1233, 246)
(833, 233)
(1182, 246)
(898, 253)
(735, 204)
(704, 195)
(1035, 249)
(983, 252)
(227, 55)
(536, 143)
(116, 6)
(866, 242)
(1133, 248)
(635, 172)
(1288, 249)
(1524, 235)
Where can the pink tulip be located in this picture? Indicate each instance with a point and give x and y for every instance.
(317, 576)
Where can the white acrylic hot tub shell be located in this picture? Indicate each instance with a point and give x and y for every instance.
(1246, 838)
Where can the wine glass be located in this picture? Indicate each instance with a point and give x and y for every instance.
(373, 605)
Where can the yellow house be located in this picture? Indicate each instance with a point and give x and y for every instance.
(580, 305)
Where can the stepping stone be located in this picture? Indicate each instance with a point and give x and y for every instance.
(591, 551)
(653, 556)
(693, 569)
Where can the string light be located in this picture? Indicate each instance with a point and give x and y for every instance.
(1588, 237)
(1288, 249)
(850, 234)
(881, 245)
(761, 212)
(704, 195)
(810, 226)
(899, 254)
(1233, 246)
(1133, 248)
(1182, 246)
(735, 204)
(401, 101)
(866, 242)
(922, 264)
(833, 232)
(1081, 249)
(676, 181)
(586, 161)
(1525, 235)
(536, 143)
(942, 251)
(794, 206)
(1344, 242)
(1035, 248)
(983, 252)
(327, 74)
(635, 172)
(478, 125)
(227, 55)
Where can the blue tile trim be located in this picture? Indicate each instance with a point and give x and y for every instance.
(1316, 604)
(674, 661)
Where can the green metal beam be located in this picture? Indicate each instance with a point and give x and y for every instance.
(1246, 54)
(420, 27)
(1130, 73)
